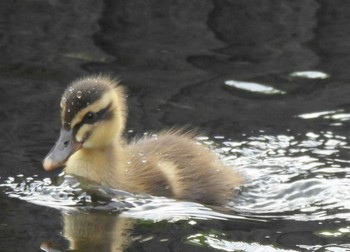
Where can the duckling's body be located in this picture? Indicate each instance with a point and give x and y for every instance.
(168, 164)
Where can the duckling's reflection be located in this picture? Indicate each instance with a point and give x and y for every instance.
(95, 231)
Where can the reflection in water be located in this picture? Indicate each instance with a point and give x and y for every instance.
(96, 231)
(300, 175)
(289, 177)
(108, 231)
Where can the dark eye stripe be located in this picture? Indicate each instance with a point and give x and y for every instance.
(105, 114)
(102, 115)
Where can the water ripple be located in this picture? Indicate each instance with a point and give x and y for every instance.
(69, 194)
(291, 177)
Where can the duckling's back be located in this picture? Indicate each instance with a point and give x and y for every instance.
(173, 164)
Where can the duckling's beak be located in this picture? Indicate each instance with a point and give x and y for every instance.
(65, 146)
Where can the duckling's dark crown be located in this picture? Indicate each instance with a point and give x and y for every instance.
(82, 93)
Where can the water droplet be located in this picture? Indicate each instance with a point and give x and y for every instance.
(79, 94)
(68, 110)
(71, 89)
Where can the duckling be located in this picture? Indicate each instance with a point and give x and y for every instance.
(170, 163)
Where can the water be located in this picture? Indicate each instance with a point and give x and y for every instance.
(266, 82)
(291, 180)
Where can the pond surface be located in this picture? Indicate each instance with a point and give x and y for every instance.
(266, 82)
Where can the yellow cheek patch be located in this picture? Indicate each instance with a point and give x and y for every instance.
(83, 132)
(100, 134)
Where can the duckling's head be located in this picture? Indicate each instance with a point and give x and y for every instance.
(93, 115)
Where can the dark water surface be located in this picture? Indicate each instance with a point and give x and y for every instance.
(267, 81)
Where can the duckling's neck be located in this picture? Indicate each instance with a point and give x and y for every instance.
(104, 164)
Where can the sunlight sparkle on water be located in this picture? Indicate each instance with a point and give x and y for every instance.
(287, 177)
(285, 174)
(337, 116)
(253, 87)
(320, 114)
(216, 242)
(310, 74)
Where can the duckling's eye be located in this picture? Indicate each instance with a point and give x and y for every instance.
(93, 117)
(89, 117)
